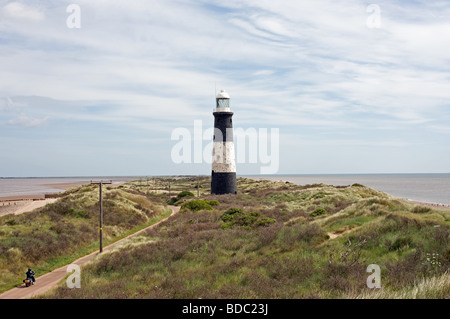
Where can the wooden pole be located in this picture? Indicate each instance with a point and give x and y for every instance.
(170, 194)
(100, 217)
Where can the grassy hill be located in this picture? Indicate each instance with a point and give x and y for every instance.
(277, 240)
(57, 234)
(272, 240)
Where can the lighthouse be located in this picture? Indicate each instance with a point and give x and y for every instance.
(223, 176)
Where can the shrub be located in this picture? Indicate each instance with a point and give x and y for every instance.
(406, 271)
(264, 221)
(11, 222)
(318, 212)
(213, 203)
(180, 195)
(421, 210)
(196, 205)
(229, 214)
(79, 213)
(238, 217)
(185, 194)
(400, 242)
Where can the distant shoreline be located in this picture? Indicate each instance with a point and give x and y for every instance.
(62, 187)
(431, 189)
(49, 186)
(20, 199)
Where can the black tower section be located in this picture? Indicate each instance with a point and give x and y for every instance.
(223, 175)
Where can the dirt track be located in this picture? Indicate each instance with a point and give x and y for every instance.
(51, 279)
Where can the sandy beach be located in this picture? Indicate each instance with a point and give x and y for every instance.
(17, 207)
(442, 206)
(26, 203)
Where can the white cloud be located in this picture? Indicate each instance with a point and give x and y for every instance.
(26, 121)
(21, 11)
(313, 65)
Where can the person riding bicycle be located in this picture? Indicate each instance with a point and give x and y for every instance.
(30, 274)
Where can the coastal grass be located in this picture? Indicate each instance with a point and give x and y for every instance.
(57, 234)
(224, 252)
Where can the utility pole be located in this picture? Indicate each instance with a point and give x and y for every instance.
(100, 183)
(198, 186)
(170, 194)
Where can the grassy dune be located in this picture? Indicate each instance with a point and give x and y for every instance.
(55, 235)
(277, 240)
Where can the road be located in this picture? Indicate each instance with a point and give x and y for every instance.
(51, 279)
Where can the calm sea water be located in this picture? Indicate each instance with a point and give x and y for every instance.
(429, 188)
(38, 186)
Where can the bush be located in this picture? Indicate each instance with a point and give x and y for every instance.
(447, 255)
(318, 212)
(264, 221)
(196, 205)
(11, 222)
(238, 217)
(185, 194)
(79, 213)
(400, 243)
(180, 195)
(229, 214)
(213, 203)
(421, 210)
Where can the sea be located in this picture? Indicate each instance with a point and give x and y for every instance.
(25, 186)
(428, 188)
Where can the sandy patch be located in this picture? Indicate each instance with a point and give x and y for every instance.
(442, 206)
(23, 206)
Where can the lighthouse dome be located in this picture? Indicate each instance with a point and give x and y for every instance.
(222, 95)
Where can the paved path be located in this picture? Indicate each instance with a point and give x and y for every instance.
(51, 279)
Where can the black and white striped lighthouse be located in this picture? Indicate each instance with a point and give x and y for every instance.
(223, 176)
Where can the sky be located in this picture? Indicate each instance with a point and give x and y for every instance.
(98, 88)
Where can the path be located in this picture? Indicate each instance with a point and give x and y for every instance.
(336, 235)
(51, 279)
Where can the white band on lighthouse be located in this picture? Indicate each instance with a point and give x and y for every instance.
(223, 109)
(223, 157)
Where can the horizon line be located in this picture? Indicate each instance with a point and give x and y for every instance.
(241, 175)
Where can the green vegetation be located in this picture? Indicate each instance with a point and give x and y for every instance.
(196, 205)
(421, 210)
(58, 233)
(271, 240)
(238, 217)
(317, 212)
(280, 240)
(180, 195)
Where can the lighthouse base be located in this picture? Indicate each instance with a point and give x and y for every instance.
(223, 183)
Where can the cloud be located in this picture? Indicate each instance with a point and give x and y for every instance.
(8, 105)
(21, 11)
(309, 66)
(26, 121)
